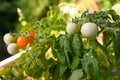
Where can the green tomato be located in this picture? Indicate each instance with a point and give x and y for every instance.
(89, 30)
(12, 48)
(77, 74)
(9, 38)
(72, 28)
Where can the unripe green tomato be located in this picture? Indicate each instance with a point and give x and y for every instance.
(12, 48)
(89, 30)
(72, 28)
(9, 38)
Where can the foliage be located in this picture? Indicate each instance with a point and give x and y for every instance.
(57, 55)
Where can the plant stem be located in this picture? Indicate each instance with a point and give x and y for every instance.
(104, 50)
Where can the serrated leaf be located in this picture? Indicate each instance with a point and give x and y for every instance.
(85, 63)
(62, 69)
(94, 68)
(54, 71)
(34, 69)
(17, 72)
(75, 63)
(57, 51)
(77, 45)
(57, 71)
(67, 50)
(90, 65)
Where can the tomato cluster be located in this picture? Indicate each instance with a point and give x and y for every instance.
(23, 41)
(15, 42)
(88, 30)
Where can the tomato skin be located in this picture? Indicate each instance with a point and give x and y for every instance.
(89, 30)
(72, 28)
(22, 41)
(12, 48)
(9, 38)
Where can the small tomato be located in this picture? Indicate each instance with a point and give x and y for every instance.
(22, 41)
(89, 30)
(72, 28)
(12, 48)
(9, 38)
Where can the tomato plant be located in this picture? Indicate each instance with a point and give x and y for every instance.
(72, 57)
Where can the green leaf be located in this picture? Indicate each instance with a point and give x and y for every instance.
(54, 71)
(85, 63)
(77, 45)
(62, 69)
(93, 68)
(67, 49)
(34, 70)
(12, 72)
(57, 50)
(35, 64)
(116, 45)
(60, 57)
(5, 71)
(90, 65)
(77, 74)
(57, 71)
(17, 72)
(107, 36)
(75, 63)
(61, 41)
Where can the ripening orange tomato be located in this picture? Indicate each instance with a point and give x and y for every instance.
(22, 41)
(30, 40)
(31, 37)
(31, 33)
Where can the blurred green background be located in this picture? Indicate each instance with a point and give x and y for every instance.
(34, 10)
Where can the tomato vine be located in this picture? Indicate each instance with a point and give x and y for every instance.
(71, 56)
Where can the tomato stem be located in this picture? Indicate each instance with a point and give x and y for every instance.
(95, 42)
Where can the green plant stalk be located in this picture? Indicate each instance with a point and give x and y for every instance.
(104, 50)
